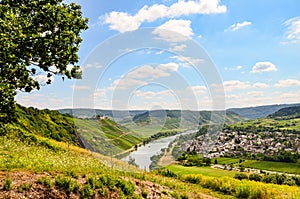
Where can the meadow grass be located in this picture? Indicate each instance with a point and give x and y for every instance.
(244, 189)
(206, 171)
(226, 160)
(292, 168)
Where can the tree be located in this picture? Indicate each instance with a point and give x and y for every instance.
(131, 161)
(37, 37)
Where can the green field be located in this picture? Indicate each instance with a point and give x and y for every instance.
(292, 168)
(206, 171)
(226, 160)
(282, 167)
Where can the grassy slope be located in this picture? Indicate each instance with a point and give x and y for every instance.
(22, 151)
(46, 123)
(105, 136)
(77, 165)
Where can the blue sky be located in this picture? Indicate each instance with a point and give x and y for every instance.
(253, 45)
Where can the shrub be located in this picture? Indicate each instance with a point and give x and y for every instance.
(193, 179)
(144, 194)
(67, 184)
(243, 191)
(297, 180)
(7, 186)
(45, 181)
(73, 174)
(24, 187)
(255, 177)
(109, 181)
(289, 181)
(167, 173)
(241, 176)
(269, 178)
(184, 197)
(87, 191)
(126, 187)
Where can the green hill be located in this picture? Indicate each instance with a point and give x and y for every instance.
(34, 165)
(290, 112)
(105, 136)
(260, 111)
(45, 123)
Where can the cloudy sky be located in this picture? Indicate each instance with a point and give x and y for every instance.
(251, 49)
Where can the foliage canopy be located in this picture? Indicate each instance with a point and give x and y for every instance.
(36, 37)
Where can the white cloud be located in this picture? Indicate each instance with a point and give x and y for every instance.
(175, 30)
(43, 78)
(261, 67)
(255, 93)
(237, 26)
(140, 75)
(235, 85)
(178, 48)
(234, 68)
(171, 66)
(197, 90)
(293, 29)
(125, 84)
(101, 93)
(189, 60)
(287, 83)
(147, 71)
(152, 94)
(260, 85)
(123, 22)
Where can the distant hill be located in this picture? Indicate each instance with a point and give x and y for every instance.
(260, 111)
(290, 112)
(173, 118)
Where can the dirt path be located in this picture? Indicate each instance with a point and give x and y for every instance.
(167, 158)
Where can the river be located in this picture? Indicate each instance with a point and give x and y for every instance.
(143, 154)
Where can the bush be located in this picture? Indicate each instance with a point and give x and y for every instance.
(87, 191)
(255, 177)
(24, 187)
(193, 179)
(128, 188)
(7, 186)
(289, 181)
(167, 173)
(67, 184)
(297, 180)
(241, 176)
(73, 174)
(243, 191)
(144, 194)
(45, 181)
(109, 181)
(269, 178)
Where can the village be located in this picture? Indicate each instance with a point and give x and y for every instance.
(235, 144)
